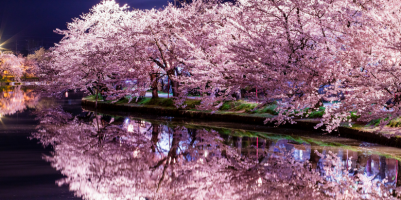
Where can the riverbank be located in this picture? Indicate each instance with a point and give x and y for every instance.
(358, 132)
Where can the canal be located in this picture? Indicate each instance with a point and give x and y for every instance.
(51, 148)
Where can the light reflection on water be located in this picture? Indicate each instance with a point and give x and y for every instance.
(114, 157)
(15, 99)
(117, 157)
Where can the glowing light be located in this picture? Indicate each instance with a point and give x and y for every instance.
(135, 154)
(206, 153)
(259, 182)
(130, 128)
(66, 94)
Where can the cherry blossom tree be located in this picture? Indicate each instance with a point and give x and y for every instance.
(11, 65)
(186, 44)
(290, 49)
(33, 61)
(283, 50)
(371, 81)
(92, 55)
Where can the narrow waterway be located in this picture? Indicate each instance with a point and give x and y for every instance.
(50, 148)
(23, 172)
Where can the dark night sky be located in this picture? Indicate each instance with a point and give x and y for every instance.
(23, 20)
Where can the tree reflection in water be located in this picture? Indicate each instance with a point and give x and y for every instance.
(104, 157)
(14, 99)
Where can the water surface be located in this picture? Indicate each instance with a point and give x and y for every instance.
(23, 172)
(50, 142)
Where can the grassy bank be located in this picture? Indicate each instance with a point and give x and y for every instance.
(239, 107)
(234, 107)
(5, 79)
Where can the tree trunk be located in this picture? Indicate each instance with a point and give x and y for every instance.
(155, 137)
(90, 90)
(174, 86)
(174, 145)
(398, 172)
(171, 156)
(383, 167)
(96, 95)
(153, 78)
